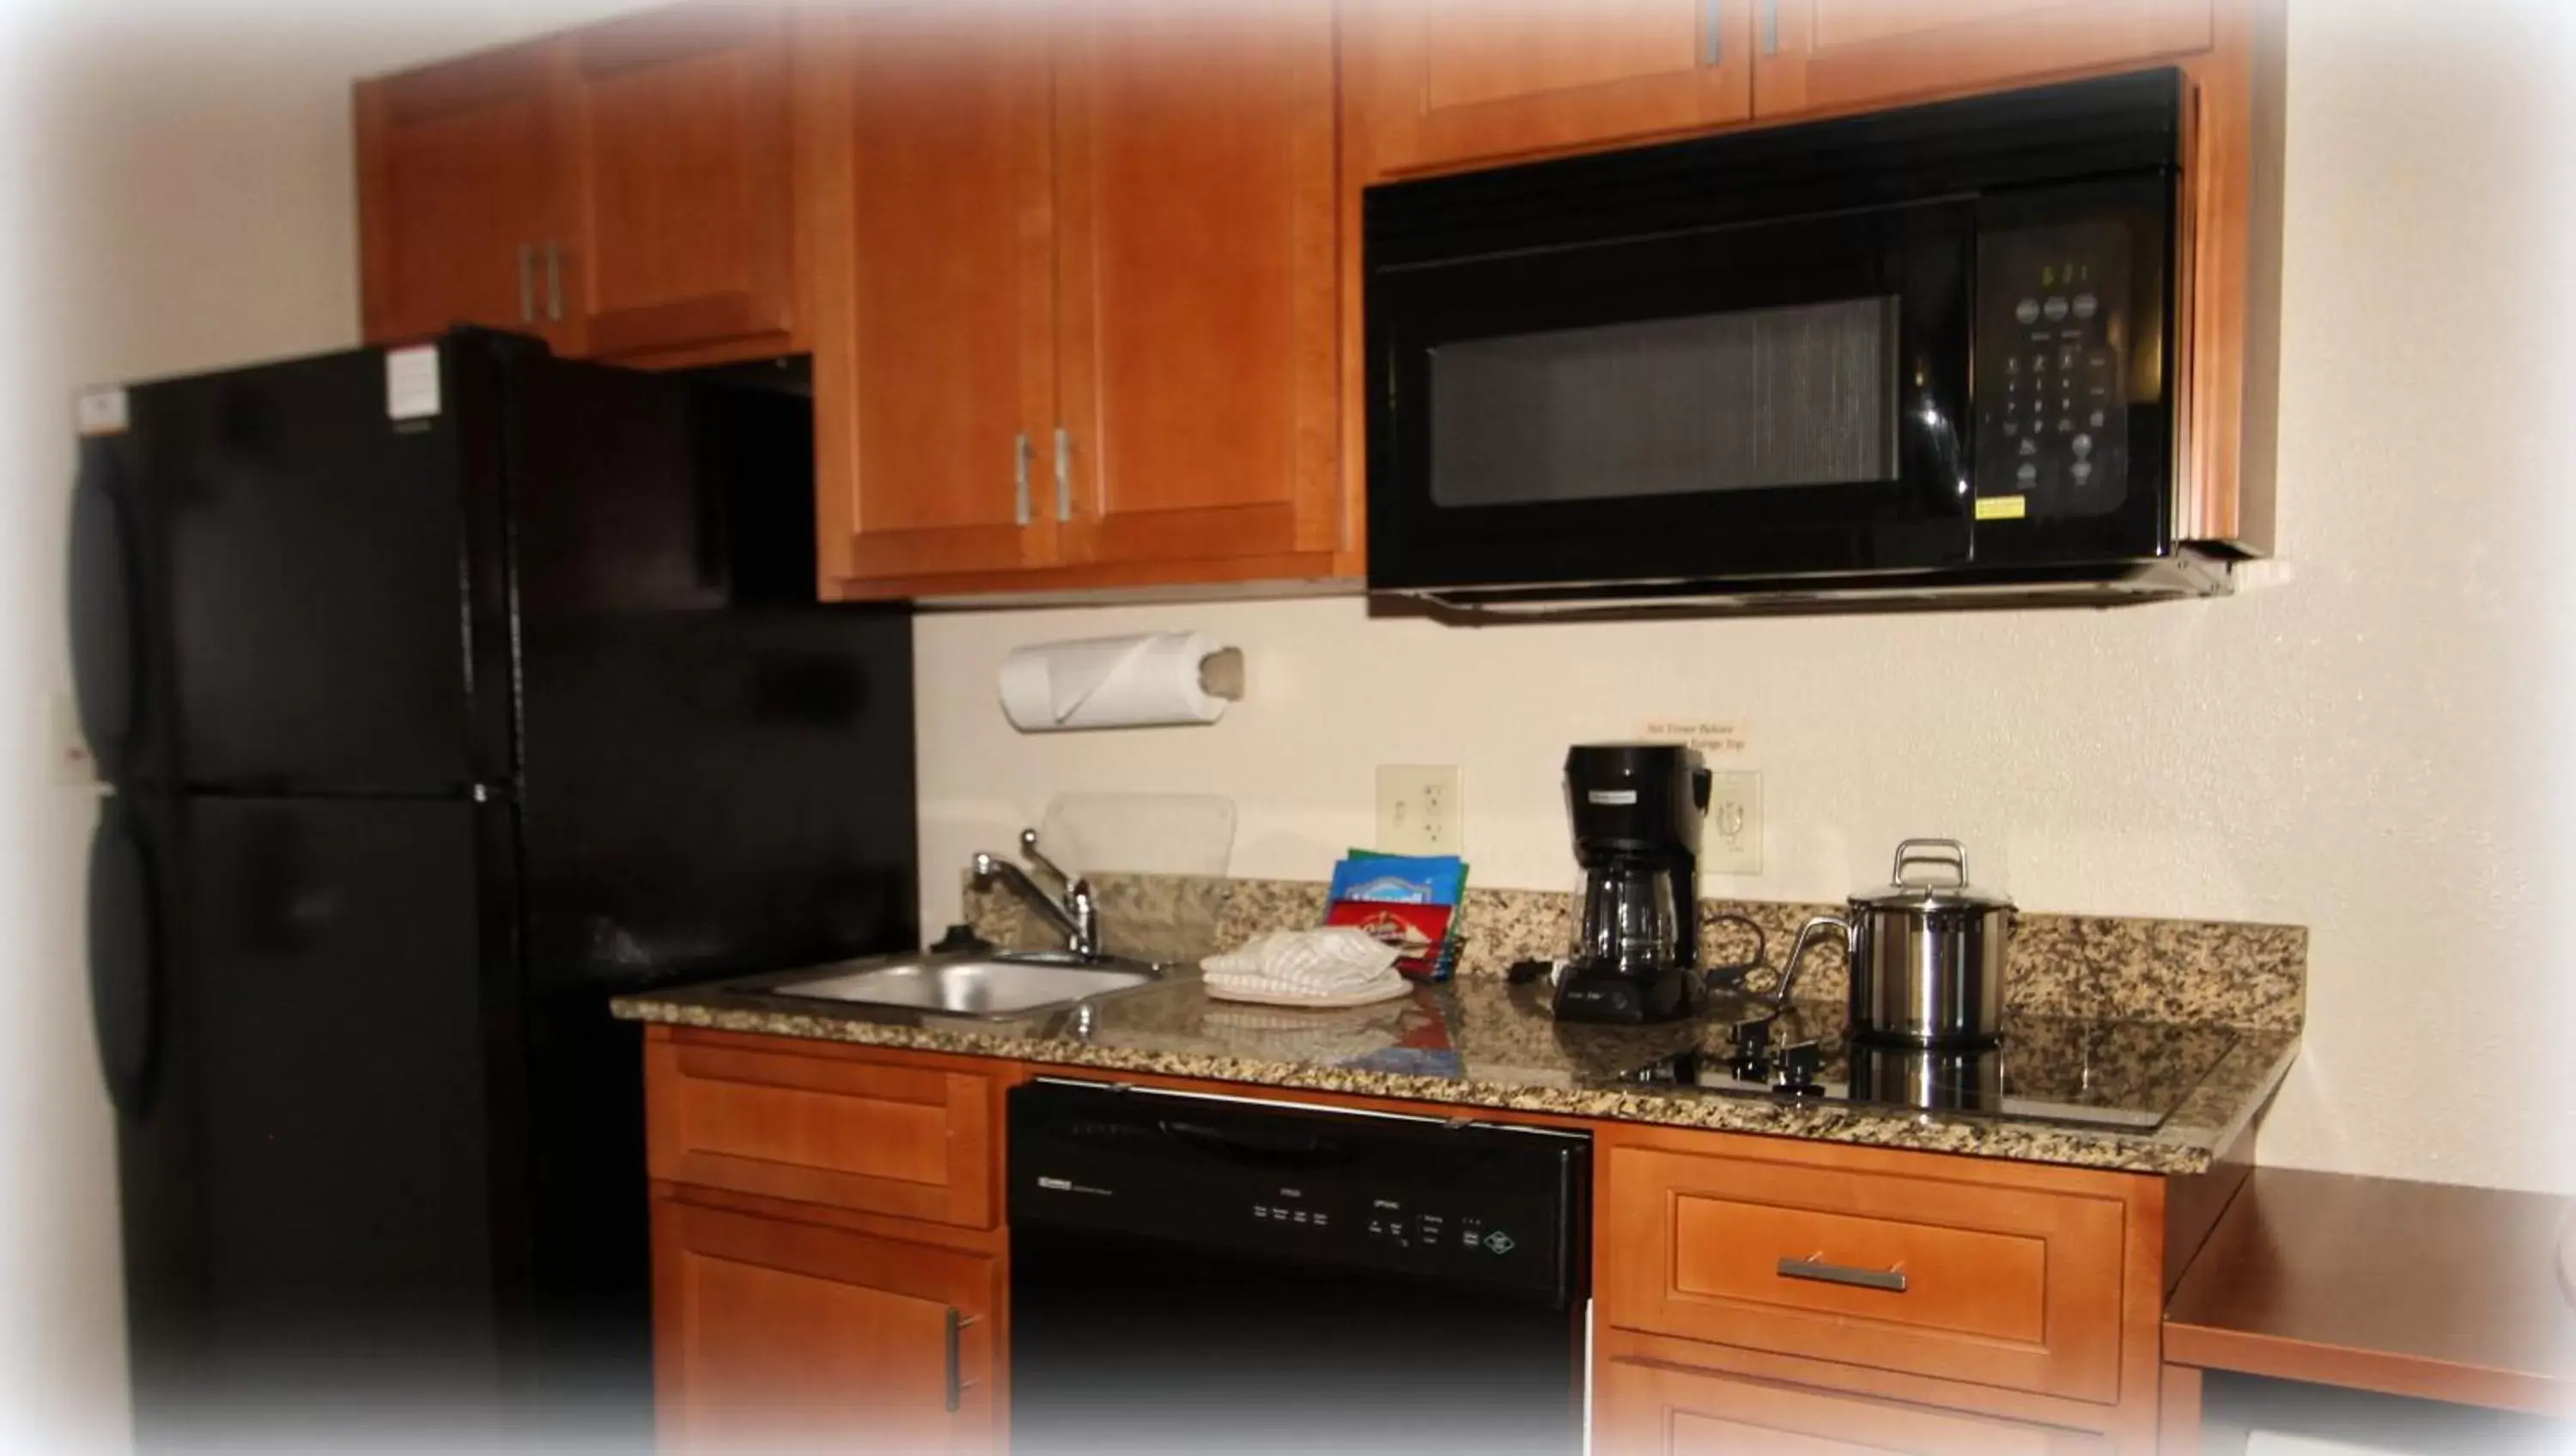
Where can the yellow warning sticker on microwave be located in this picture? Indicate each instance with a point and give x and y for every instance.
(2002, 507)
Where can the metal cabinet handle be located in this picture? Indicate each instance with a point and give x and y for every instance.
(1712, 39)
(1020, 478)
(1892, 1280)
(527, 284)
(554, 283)
(1063, 473)
(956, 1384)
(1770, 27)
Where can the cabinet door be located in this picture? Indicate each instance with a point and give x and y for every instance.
(1840, 55)
(873, 1131)
(685, 232)
(770, 1334)
(934, 368)
(1645, 1409)
(457, 172)
(1451, 81)
(1198, 284)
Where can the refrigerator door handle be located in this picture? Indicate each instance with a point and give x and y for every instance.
(106, 588)
(125, 958)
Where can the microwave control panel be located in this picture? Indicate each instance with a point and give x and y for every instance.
(2053, 339)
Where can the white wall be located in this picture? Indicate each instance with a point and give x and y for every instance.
(2369, 741)
(177, 193)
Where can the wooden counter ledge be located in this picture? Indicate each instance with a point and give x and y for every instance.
(2427, 1290)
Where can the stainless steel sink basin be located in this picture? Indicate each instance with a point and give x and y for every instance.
(1006, 984)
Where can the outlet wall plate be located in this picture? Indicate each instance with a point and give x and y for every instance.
(1421, 809)
(1731, 839)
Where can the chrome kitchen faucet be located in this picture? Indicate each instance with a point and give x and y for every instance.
(1077, 915)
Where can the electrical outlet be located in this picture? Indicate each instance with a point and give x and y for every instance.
(1420, 809)
(67, 757)
(1731, 840)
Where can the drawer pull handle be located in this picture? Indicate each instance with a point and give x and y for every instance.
(1892, 1280)
(956, 1385)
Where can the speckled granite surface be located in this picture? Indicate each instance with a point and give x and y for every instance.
(1481, 1043)
(2140, 1045)
(2203, 973)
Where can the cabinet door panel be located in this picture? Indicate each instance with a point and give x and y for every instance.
(456, 194)
(1454, 81)
(824, 1125)
(685, 206)
(935, 386)
(771, 1334)
(1952, 1278)
(1198, 281)
(1834, 55)
(1645, 1409)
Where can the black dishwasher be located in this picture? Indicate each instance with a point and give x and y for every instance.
(1211, 1274)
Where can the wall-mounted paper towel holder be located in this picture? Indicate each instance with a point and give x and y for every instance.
(1221, 674)
(1152, 679)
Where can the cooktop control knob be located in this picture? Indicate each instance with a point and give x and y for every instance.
(1798, 1065)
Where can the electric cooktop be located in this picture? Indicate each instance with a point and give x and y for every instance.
(2126, 1076)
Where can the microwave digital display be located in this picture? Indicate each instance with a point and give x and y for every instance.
(2053, 338)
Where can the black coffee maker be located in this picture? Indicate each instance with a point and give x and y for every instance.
(1636, 809)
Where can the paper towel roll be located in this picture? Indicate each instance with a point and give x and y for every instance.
(1109, 682)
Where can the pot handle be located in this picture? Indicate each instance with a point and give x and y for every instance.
(1798, 949)
(1910, 851)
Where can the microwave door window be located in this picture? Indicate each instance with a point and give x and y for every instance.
(1743, 400)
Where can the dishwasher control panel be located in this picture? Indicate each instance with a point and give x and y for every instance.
(1460, 1201)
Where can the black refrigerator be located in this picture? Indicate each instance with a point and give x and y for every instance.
(444, 693)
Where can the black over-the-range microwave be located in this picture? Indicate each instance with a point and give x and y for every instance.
(1907, 357)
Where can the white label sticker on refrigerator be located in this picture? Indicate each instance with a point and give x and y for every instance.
(100, 411)
(411, 382)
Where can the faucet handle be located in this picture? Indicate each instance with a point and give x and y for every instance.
(1029, 852)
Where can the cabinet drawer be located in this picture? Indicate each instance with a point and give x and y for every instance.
(1973, 1281)
(830, 1126)
(1646, 1409)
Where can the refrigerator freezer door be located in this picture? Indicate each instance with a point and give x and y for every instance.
(317, 595)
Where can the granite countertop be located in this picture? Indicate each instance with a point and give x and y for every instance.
(2185, 1091)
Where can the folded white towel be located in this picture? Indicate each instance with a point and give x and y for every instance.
(1338, 963)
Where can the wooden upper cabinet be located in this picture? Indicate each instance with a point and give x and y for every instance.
(1196, 279)
(1840, 55)
(934, 382)
(684, 216)
(1083, 326)
(1446, 82)
(775, 1334)
(457, 196)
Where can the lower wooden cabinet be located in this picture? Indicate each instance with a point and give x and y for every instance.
(848, 1127)
(775, 1334)
(830, 1271)
(1647, 1409)
(1964, 1273)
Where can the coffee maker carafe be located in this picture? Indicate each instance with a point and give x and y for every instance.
(1636, 810)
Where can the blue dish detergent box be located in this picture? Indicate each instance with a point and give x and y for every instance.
(1407, 901)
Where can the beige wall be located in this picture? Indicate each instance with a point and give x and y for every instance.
(2369, 740)
(178, 196)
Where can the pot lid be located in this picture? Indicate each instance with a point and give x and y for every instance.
(1931, 857)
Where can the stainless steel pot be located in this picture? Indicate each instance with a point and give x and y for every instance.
(1926, 960)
